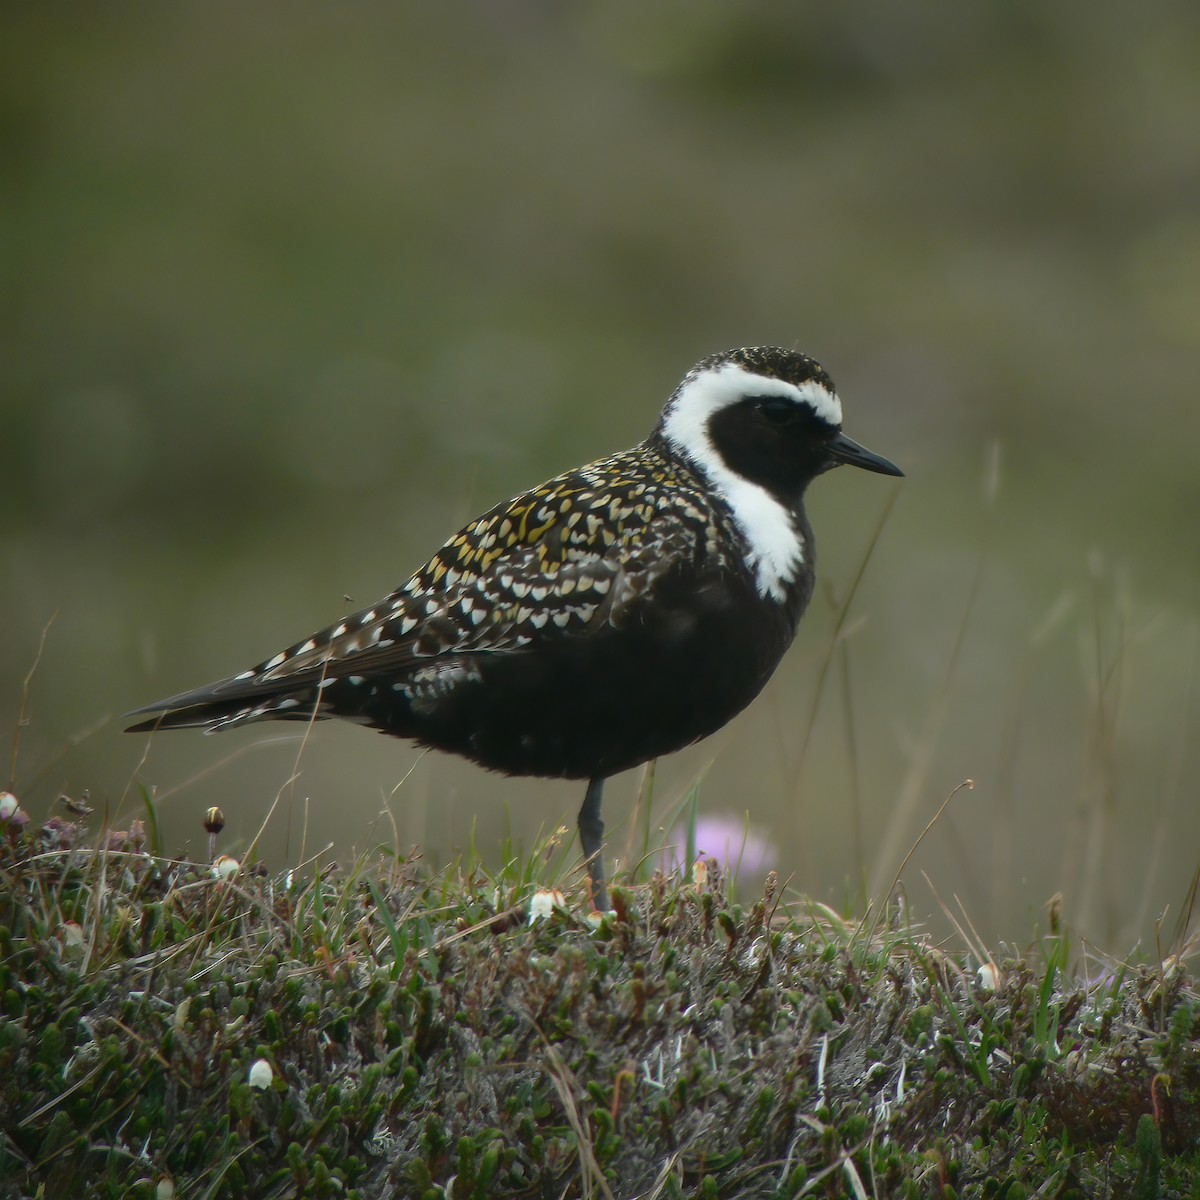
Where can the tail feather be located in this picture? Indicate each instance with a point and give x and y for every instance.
(227, 704)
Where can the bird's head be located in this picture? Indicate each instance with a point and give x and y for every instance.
(765, 415)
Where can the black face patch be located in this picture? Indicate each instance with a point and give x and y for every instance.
(773, 441)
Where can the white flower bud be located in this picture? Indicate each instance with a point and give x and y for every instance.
(226, 867)
(261, 1075)
(544, 903)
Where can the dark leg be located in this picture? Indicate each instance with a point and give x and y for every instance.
(591, 838)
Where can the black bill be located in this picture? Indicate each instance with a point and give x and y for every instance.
(846, 450)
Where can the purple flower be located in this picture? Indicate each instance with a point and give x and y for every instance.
(740, 849)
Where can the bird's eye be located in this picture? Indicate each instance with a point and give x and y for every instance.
(778, 409)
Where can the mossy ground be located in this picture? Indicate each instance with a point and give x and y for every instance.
(425, 1039)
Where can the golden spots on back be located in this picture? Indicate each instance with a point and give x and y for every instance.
(536, 535)
(521, 533)
(558, 558)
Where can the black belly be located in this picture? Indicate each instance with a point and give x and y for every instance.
(593, 704)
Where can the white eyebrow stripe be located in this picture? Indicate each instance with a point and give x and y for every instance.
(706, 392)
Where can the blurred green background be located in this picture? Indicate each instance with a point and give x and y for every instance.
(290, 291)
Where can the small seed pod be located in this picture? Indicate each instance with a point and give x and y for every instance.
(214, 822)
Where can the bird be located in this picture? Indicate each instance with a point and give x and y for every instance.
(614, 614)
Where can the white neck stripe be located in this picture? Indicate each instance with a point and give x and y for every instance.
(775, 545)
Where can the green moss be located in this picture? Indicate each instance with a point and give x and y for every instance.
(524, 1060)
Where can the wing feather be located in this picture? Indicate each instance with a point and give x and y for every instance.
(583, 549)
